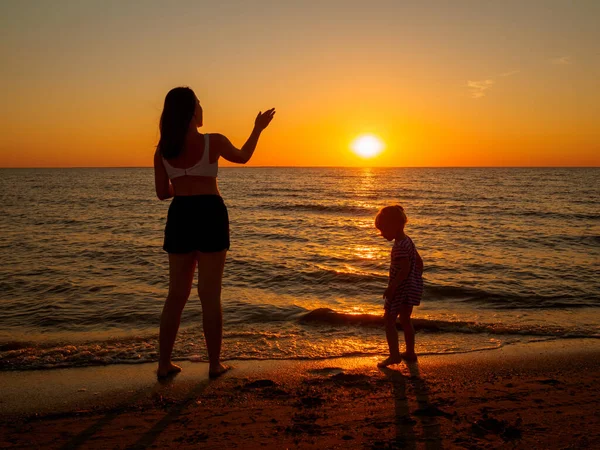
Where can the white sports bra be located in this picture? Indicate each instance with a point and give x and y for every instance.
(202, 168)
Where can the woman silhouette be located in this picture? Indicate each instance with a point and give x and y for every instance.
(197, 230)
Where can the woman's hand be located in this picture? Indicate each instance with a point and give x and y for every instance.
(242, 156)
(263, 119)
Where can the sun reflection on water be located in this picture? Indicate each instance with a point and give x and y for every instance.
(365, 252)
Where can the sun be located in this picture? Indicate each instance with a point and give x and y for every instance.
(367, 146)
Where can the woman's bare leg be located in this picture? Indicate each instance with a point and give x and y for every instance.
(181, 276)
(210, 276)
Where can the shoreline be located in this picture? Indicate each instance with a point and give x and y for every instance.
(65, 389)
(535, 395)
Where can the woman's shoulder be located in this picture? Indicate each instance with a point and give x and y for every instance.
(218, 138)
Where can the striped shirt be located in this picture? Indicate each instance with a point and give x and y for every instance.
(410, 289)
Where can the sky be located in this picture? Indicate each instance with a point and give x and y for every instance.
(460, 83)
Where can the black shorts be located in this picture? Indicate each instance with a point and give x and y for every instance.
(197, 223)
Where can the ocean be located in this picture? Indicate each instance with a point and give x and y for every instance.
(511, 255)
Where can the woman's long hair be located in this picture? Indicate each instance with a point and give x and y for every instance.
(179, 109)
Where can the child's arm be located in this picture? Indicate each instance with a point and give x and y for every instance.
(419, 264)
(403, 269)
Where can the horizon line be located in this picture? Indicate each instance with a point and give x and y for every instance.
(316, 167)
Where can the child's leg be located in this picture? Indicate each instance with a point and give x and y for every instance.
(392, 334)
(392, 339)
(409, 332)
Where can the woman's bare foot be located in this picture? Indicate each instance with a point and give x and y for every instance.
(165, 371)
(408, 357)
(389, 361)
(217, 371)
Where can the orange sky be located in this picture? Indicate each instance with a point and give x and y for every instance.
(449, 84)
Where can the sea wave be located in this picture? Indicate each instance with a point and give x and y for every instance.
(511, 300)
(76, 306)
(557, 215)
(316, 207)
(317, 334)
(328, 316)
(280, 276)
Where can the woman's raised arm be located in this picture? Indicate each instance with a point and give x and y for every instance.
(241, 156)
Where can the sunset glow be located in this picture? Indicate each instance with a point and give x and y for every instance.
(417, 76)
(367, 146)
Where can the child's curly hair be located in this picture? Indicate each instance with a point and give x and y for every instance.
(391, 214)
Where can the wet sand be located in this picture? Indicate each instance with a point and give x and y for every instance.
(541, 395)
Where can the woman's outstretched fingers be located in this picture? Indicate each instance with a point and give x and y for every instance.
(264, 118)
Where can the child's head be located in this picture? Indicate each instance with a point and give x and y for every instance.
(390, 221)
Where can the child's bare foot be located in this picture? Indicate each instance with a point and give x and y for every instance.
(408, 357)
(389, 361)
(165, 371)
(217, 371)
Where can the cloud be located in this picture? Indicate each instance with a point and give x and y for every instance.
(562, 61)
(479, 88)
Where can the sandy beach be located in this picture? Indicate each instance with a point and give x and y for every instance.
(541, 395)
